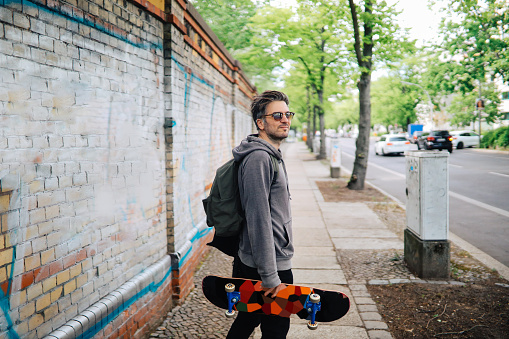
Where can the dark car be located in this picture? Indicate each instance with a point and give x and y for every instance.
(435, 140)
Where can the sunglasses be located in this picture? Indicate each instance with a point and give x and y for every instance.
(278, 115)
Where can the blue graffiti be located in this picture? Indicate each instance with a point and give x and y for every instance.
(99, 325)
(187, 90)
(5, 303)
(85, 21)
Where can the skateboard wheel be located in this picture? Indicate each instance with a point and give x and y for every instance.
(229, 314)
(229, 287)
(314, 298)
(312, 326)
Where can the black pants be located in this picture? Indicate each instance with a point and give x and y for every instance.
(273, 327)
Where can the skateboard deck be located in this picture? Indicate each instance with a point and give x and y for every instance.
(247, 296)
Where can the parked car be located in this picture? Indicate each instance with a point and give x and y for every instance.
(435, 140)
(461, 139)
(415, 136)
(392, 144)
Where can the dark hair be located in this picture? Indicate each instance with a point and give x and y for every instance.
(261, 101)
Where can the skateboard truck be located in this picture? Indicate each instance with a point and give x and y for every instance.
(233, 298)
(313, 305)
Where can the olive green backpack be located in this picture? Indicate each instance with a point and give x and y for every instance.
(223, 207)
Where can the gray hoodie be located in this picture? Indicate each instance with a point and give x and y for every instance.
(266, 240)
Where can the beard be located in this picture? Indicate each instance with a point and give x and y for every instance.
(278, 135)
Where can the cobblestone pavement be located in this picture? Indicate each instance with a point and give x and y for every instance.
(196, 317)
(368, 264)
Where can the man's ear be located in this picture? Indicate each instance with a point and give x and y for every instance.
(260, 124)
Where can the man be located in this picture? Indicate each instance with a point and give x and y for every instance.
(265, 248)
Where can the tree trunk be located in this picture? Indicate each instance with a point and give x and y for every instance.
(364, 53)
(309, 140)
(314, 121)
(360, 165)
(322, 154)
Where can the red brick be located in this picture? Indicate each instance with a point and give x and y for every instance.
(42, 273)
(56, 266)
(107, 330)
(82, 255)
(69, 260)
(4, 287)
(122, 330)
(91, 251)
(27, 279)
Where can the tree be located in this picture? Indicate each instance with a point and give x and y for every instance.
(380, 36)
(312, 37)
(474, 52)
(393, 103)
(231, 21)
(478, 42)
(345, 112)
(463, 106)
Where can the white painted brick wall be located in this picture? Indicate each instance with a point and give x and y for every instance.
(82, 149)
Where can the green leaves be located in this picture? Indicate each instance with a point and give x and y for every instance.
(479, 42)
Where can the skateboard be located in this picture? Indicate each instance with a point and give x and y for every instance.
(245, 295)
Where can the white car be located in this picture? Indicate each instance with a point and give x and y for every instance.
(392, 144)
(461, 139)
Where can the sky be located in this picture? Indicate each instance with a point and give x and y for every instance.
(416, 15)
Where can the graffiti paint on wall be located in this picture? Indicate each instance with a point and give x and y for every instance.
(202, 141)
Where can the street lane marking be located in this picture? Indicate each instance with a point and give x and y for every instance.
(477, 253)
(480, 204)
(503, 175)
(388, 170)
(458, 166)
(453, 194)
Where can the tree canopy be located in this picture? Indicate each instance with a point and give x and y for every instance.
(323, 54)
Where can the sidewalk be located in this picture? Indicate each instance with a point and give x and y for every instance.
(320, 228)
(338, 246)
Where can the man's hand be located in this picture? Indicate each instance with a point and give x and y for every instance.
(274, 290)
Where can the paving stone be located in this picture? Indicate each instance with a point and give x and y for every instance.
(372, 244)
(379, 334)
(311, 262)
(360, 287)
(323, 331)
(361, 294)
(196, 317)
(419, 281)
(378, 282)
(311, 277)
(322, 251)
(356, 282)
(367, 308)
(374, 316)
(375, 325)
(364, 301)
(399, 281)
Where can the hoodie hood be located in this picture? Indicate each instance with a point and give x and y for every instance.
(254, 143)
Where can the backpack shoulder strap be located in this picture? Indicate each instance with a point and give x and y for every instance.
(275, 166)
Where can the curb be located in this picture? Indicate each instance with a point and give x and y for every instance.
(475, 252)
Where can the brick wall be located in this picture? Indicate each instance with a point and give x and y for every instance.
(114, 116)
(207, 118)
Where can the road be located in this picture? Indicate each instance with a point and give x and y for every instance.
(478, 193)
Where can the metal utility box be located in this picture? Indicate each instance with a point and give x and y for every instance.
(427, 182)
(335, 158)
(427, 246)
